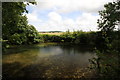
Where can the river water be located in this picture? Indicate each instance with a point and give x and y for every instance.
(47, 61)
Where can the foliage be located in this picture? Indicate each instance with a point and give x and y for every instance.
(15, 25)
(76, 37)
(50, 38)
(110, 16)
(25, 35)
(95, 39)
(107, 61)
(106, 65)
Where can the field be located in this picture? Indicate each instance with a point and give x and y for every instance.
(55, 33)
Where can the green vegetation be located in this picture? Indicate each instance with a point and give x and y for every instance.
(110, 16)
(15, 26)
(107, 62)
(76, 37)
(94, 39)
(106, 42)
(16, 31)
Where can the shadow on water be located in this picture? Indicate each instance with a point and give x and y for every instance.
(51, 61)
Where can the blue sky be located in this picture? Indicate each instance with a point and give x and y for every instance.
(61, 15)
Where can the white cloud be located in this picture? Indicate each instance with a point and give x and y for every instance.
(72, 5)
(54, 16)
(55, 21)
(33, 18)
(85, 22)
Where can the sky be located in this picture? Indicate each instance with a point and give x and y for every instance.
(63, 15)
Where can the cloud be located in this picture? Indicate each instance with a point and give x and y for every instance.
(65, 6)
(49, 15)
(33, 18)
(85, 22)
(54, 16)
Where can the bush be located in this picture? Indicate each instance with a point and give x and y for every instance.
(26, 35)
(16, 39)
(76, 37)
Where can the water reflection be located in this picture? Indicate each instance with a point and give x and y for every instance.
(61, 61)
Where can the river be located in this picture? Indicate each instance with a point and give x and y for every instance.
(47, 61)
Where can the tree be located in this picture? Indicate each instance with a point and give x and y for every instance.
(15, 26)
(110, 16)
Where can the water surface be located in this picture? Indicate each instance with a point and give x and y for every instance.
(47, 61)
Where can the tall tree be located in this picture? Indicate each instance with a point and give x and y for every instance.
(14, 24)
(109, 17)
